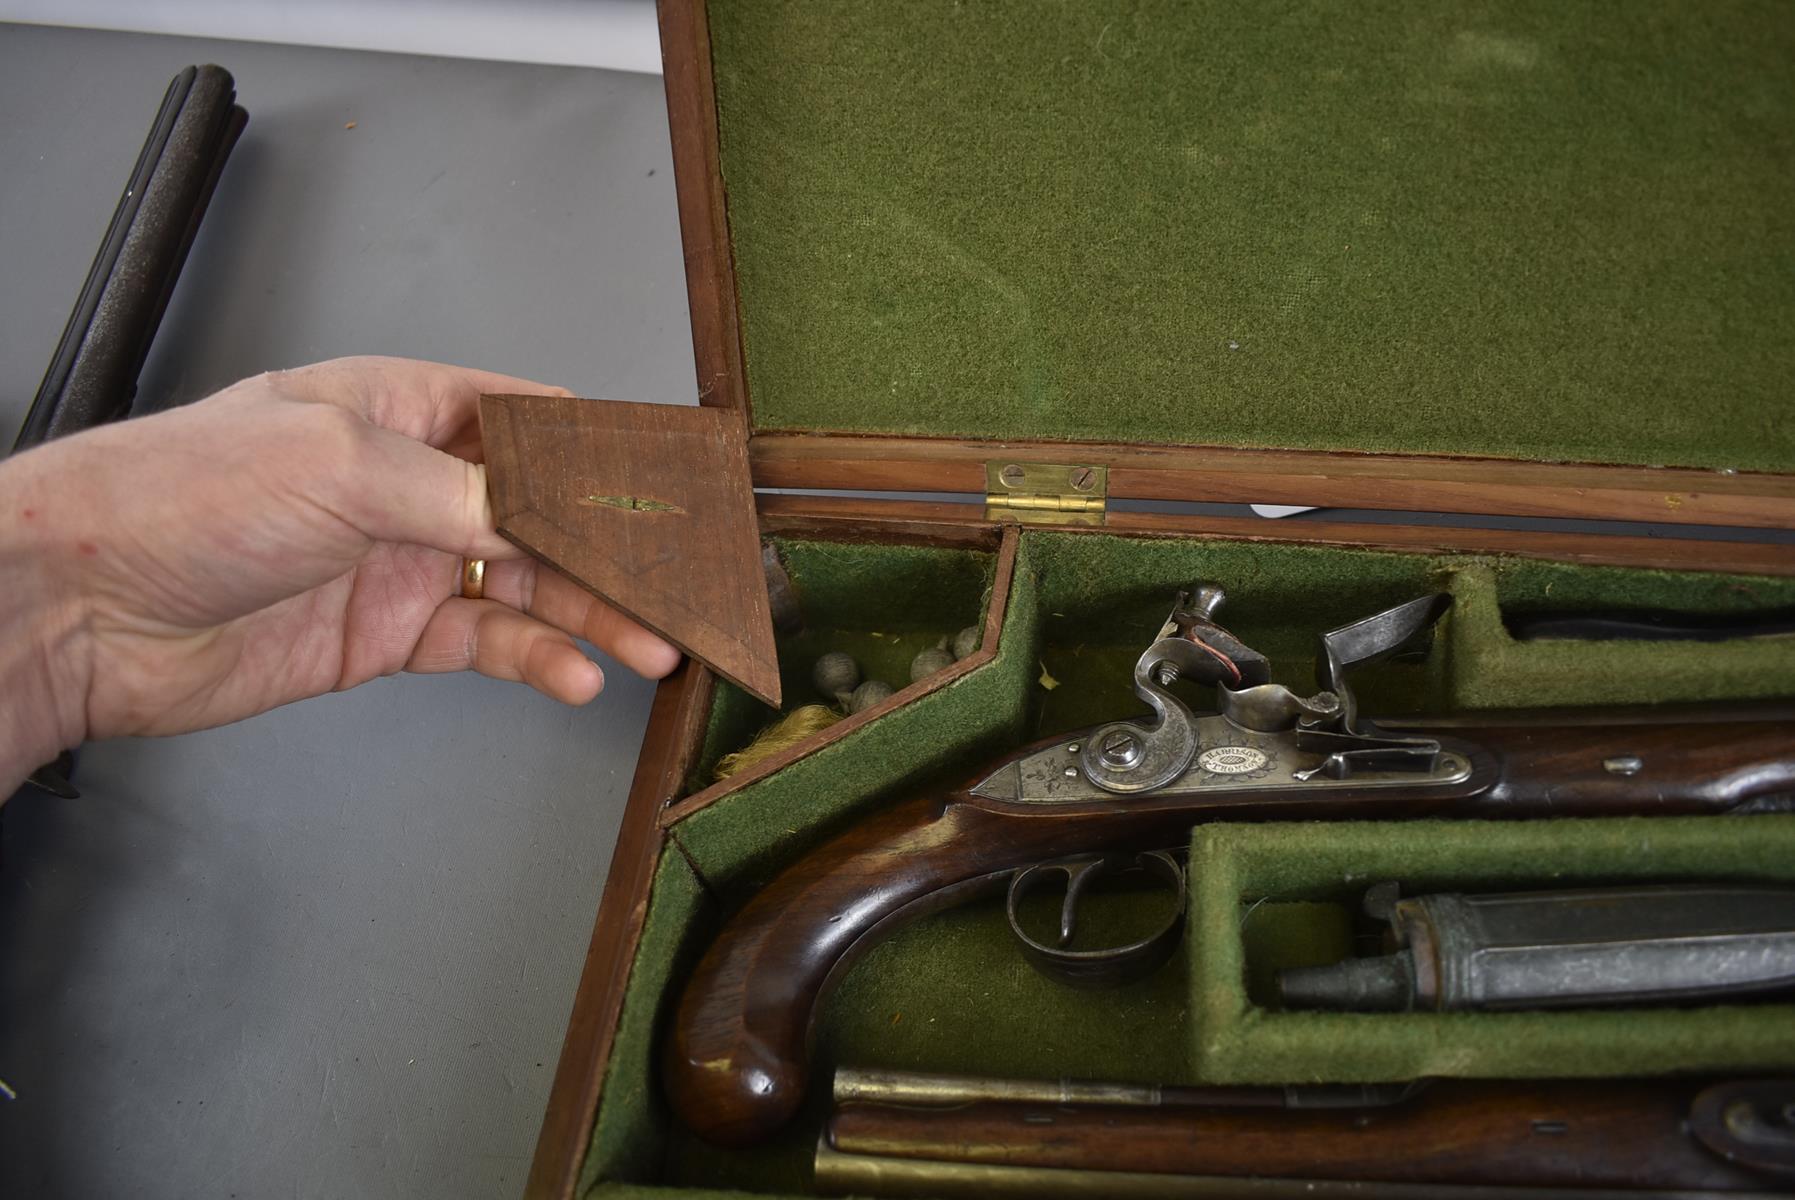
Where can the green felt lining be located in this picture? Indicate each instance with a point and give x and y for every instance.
(1103, 596)
(1490, 669)
(1530, 229)
(1236, 1041)
(1081, 607)
(883, 603)
(629, 1136)
(739, 839)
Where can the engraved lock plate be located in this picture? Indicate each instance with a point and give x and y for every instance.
(1232, 760)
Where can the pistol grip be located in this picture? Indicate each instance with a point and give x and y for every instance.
(737, 1056)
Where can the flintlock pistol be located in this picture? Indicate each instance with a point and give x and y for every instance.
(735, 1062)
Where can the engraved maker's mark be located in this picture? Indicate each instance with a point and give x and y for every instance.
(631, 503)
(1234, 760)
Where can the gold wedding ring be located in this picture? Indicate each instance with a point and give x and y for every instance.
(473, 578)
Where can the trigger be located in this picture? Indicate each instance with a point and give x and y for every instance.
(1079, 875)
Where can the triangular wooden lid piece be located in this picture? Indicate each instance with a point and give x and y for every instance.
(647, 506)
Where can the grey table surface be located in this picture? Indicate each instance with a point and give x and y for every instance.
(329, 951)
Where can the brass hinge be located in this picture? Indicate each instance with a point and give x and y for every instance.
(1034, 493)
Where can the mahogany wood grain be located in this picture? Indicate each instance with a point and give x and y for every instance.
(994, 615)
(703, 216)
(852, 515)
(648, 506)
(1324, 478)
(735, 1066)
(1627, 1134)
(675, 725)
(863, 521)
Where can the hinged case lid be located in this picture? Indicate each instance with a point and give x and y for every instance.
(1526, 260)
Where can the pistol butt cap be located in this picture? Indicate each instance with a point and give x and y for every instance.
(730, 1105)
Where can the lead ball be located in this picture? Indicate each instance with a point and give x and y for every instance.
(868, 694)
(929, 662)
(835, 674)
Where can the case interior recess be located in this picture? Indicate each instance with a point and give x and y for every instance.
(950, 992)
(882, 604)
(1526, 231)
(1259, 869)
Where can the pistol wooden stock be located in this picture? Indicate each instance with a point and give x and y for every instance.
(735, 1063)
(1631, 1135)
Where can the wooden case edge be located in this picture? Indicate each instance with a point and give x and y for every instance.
(675, 728)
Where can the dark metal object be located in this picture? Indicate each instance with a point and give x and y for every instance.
(1648, 626)
(1109, 966)
(93, 376)
(1564, 949)
(1372, 640)
(1232, 663)
(929, 661)
(782, 593)
(892, 1133)
(869, 694)
(843, 1174)
(857, 1085)
(835, 675)
(1265, 733)
(53, 777)
(1127, 757)
(1750, 1122)
(1353, 744)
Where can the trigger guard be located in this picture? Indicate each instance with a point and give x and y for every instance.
(1111, 966)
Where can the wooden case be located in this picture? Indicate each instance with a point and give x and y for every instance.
(682, 703)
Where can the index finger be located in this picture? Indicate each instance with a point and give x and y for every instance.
(435, 403)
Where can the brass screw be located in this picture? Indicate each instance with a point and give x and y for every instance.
(1082, 478)
(1012, 475)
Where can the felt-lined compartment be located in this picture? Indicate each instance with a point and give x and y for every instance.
(951, 992)
(1526, 230)
(883, 604)
(1234, 869)
(1105, 596)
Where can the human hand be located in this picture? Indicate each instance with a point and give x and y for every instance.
(297, 533)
